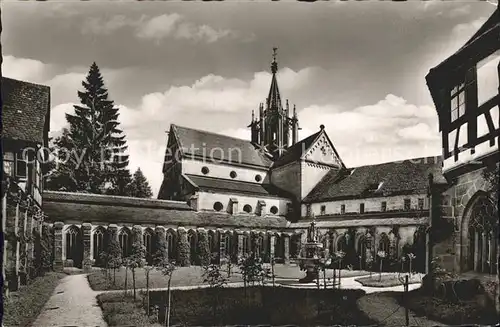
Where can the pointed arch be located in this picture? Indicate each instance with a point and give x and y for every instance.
(100, 241)
(193, 248)
(149, 244)
(478, 235)
(125, 240)
(171, 236)
(74, 245)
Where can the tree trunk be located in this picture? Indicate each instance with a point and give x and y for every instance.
(380, 272)
(114, 276)
(169, 300)
(133, 282)
(126, 280)
(147, 289)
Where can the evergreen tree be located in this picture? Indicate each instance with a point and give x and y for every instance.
(91, 153)
(139, 187)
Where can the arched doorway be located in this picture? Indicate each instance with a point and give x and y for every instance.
(479, 245)
(147, 239)
(383, 248)
(125, 239)
(171, 244)
(361, 252)
(74, 246)
(193, 253)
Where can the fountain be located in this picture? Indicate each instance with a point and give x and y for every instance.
(312, 251)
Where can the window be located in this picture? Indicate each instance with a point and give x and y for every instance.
(274, 210)
(258, 178)
(8, 163)
(383, 206)
(247, 208)
(361, 208)
(323, 209)
(342, 209)
(21, 165)
(487, 78)
(233, 174)
(420, 204)
(218, 206)
(407, 205)
(457, 102)
(205, 170)
(308, 210)
(289, 208)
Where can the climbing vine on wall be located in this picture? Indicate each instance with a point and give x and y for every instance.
(203, 248)
(183, 248)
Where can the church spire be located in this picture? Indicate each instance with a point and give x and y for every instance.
(274, 98)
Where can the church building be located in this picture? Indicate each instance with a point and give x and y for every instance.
(234, 196)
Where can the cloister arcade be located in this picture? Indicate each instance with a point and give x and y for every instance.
(360, 245)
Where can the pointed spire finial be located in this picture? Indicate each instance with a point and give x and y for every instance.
(274, 65)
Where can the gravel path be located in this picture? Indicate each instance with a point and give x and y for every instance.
(384, 308)
(72, 304)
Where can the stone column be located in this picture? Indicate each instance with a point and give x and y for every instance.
(58, 244)
(4, 248)
(476, 251)
(87, 244)
(286, 245)
(484, 254)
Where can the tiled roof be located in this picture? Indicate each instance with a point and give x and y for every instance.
(110, 211)
(25, 108)
(296, 151)
(233, 186)
(363, 222)
(203, 144)
(402, 177)
(88, 198)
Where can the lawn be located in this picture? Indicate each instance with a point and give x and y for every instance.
(188, 276)
(387, 280)
(121, 310)
(262, 306)
(22, 307)
(452, 313)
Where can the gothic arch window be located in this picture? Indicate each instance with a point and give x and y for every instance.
(246, 241)
(259, 245)
(74, 246)
(147, 239)
(99, 245)
(342, 244)
(362, 252)
(247, 208)
(482, 234)
(125, 241)
(226, 246)
(384, 243)
(171, 244)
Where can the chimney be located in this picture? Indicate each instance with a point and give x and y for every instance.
(193, 202)
(233, 206)
(262, 208)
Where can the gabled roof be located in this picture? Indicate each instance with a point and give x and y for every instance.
(206, 145)
(401, 177)
(296, 151)
(25, 108)
(203, 183)
(109, 210)
(103, 199)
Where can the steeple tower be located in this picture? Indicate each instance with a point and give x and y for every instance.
(272, 130)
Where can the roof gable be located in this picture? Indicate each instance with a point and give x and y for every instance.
(216, 147)
(322, 151)
(25, 110)
(295, 152)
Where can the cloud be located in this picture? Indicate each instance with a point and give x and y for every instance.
(161, 27)
(24, 69)
(466, 30)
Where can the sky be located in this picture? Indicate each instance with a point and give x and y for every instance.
(357, 67)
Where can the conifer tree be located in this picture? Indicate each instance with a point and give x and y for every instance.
(139, 187)
(91, 153)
